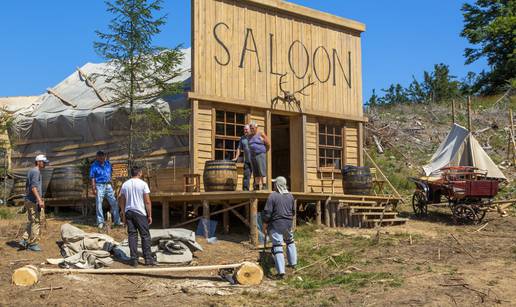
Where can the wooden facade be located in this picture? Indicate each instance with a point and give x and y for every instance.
(240, 50)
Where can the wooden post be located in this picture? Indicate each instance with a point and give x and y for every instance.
(294, 218)
(512, 142)
(206, 218)
(165, 211)
(225, 220)
(253, 235)
(453, 111)
(327, 212)
(184, 215)
(333, 215)
(318, 213)
(469, 113)
(360, 144)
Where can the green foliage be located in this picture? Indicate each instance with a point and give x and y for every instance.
(141, 72)
(352, 281)
(6, 213)
(491, 27)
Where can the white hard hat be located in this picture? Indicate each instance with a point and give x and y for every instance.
(42, 158)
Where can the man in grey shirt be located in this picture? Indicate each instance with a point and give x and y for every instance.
(34, 203)
(277, 219)
(243, 146)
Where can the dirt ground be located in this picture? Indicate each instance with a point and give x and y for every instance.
(434, 263)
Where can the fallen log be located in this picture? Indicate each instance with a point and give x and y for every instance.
(246, 273)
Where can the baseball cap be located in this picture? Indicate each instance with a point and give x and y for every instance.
(41, 158)
(101, 153)
(281, 184)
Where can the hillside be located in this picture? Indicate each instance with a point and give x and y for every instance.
(410, 134)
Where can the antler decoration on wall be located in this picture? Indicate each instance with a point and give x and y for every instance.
(288, 97)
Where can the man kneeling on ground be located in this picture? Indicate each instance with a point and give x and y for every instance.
(277, 218)
(135, 205)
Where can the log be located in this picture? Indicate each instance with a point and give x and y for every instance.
(318, 213)
(378, 144)
(26, 276)
(247, 273)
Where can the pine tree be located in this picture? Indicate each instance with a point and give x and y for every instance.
(141, 71)
(490, 26)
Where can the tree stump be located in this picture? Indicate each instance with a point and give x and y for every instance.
(249, 274)
(26, 276)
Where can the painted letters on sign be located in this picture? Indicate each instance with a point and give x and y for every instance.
(325, 63)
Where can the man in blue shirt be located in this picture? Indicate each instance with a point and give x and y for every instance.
(100, 175)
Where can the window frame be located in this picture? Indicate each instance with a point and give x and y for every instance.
(340, 126)
(225, 137)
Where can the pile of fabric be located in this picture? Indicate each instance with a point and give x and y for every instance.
(84, 250)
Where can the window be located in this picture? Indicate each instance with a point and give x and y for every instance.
(229, 126)
(330, 146)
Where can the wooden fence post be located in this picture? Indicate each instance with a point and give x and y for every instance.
(318, 213)
(206, 218)
(253, 215)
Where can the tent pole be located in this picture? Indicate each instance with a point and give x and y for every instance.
(469, 113)
(453, 111)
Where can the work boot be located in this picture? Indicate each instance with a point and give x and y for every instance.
(278, 277)
(34, 247)
(133, 262)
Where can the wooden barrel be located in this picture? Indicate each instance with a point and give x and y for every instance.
(220, 175)
(357, 180)
(66, 182)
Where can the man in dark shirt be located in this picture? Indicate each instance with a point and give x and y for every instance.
(243, 146)
(34, 203)
(277, 222)
(100, 175)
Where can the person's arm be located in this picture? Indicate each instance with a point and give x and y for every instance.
(267, 214)
(121, 204)
(148, 207)
(148, 203)
(39, 199)
(237, 154)
(266, 140)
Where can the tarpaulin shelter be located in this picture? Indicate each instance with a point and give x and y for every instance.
(77, 117)
(461, 148)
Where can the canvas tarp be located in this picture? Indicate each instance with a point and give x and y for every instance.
(461, 148)
(78, 111)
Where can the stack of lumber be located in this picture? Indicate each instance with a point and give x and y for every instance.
(362, 214)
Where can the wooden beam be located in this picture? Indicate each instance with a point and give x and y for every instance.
(327, 212)
(318, 213)
(268, 128)
(193, 132)
(453, 111)
(211, 214)
(308, 13)
(52, 92)
(206, 218)
(384, 177)
(360, 144)
(165, 214)
(225, 220)
(257, 105)
(240, 217)
(253, 219)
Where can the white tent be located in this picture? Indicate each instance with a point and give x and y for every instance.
(75, 118)
(461, 148)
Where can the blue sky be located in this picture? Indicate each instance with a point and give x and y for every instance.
(42, 42)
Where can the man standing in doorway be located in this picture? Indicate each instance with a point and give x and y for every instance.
(34, 204)
(243, 146)
(136, 209)
(277, 219)
(259, 144)
(100, 175)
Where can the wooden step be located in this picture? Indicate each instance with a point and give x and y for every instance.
(362, 208)
(389, 213)
(397, 219)
(364, 202)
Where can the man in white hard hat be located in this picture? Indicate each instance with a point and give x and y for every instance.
(34, 204)
(277, 219)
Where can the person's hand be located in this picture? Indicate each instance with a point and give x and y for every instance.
(41, 203)
(235, 159)
(123, 219)
(149, 219)
(94, 191)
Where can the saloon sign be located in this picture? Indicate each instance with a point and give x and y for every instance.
(326, 64)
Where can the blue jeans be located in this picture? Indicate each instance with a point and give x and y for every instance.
(106, 190)
(277, 249)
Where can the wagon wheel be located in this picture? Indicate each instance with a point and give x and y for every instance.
(420, 203)
(481, 213)
(465, 214)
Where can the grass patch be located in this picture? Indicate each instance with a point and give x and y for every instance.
(6, 214)
(352, 281)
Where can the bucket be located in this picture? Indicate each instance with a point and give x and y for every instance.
(357, 180)
(66, 182)
(220, 175)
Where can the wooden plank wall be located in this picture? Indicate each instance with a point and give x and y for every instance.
(221, 71)
(351, 157)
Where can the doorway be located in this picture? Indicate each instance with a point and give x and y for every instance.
(280, 147)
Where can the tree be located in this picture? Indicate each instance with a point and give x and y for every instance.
(490, 25)
(439, 85)
(141, 72)
(395, 94)
(416, 93)
(373, 100)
